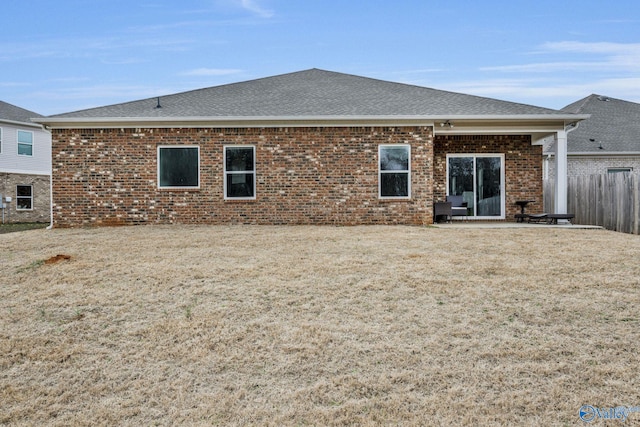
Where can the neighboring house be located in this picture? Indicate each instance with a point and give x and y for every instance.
(311, 147)
(607, 142)
(25, 166)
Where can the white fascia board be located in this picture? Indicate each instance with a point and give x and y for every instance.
(539, 132)
(21, 124)
(301, 121)
(539, 126)
(568, 118)
(600, 153)
(231, 122)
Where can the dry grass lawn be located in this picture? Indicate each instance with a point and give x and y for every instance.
(253, 325)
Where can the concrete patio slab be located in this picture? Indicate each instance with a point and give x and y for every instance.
(501, 224)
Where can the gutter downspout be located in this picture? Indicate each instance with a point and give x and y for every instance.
(545, 171)
(50, 181)
(577, 125)
(50, 201)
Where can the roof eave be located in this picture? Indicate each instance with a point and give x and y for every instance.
(292, 121)
(598, 153)
(32, 124)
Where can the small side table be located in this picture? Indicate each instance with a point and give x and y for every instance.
(523, 204)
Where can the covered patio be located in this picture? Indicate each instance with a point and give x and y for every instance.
(496, 166)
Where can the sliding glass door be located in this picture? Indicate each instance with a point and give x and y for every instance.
(479, 179)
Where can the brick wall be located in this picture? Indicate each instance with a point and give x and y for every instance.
(523, 165)
(304, 176)
(41, 197)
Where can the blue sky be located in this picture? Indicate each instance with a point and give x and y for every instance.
(66, 55)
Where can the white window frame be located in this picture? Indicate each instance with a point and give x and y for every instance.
(407, 171)
(226, 172)
(0, 140)
(18, 198)
(29, 144)
(175, 187)
(503, 182)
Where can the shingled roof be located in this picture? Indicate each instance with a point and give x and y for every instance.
(9, 112)
(313, 93)
(614, 126)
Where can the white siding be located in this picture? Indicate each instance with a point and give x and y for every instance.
(587, 165)
(39, 163)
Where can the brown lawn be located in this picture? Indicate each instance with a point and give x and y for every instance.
(253, 325)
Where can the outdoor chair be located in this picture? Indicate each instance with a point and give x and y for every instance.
(458, 206)
(550, 218)
(553, 218)
(442, 209)
(541, 217)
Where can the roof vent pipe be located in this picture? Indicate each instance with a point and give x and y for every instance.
(158, 105)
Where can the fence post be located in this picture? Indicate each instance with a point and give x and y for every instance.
(636, 202)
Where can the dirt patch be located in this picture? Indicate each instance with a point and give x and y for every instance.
(57, 258)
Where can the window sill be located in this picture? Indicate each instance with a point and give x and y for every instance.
(180, 189)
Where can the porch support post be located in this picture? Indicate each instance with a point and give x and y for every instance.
(561, 173)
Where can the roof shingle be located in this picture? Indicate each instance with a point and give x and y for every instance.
(311, 93)
(614, 126)
(16, 114)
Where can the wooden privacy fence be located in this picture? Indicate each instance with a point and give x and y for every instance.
(610, 200)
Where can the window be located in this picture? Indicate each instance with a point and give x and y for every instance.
(479, 179)
(239, 172)
(24, 197)
(25, 143)
(179, 167)
(394, 177)
(0, 140)
(619, 170)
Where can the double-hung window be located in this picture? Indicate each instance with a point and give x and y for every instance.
(179, 166)
(25, 143)
(394, 172)
(240, 172)
(24, 197)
